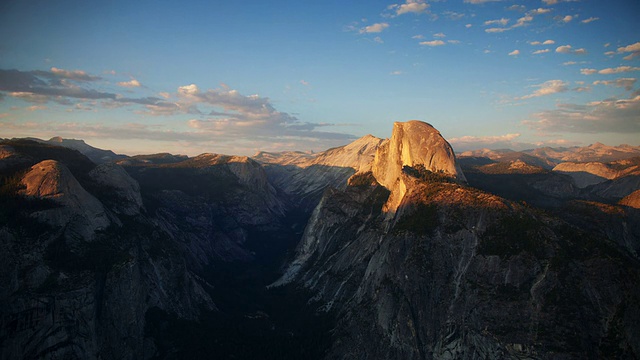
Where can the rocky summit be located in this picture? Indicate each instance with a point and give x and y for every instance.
(380, 249)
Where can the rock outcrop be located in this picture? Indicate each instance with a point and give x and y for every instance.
(457, 273)
(51, 180)
(412, 143)
(585, 174)
(304, 177)
(128, 200)
(631, 200)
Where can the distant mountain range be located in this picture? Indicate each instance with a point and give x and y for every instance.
(382, 249)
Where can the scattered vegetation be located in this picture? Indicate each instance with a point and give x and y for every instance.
(418, 171)
(15, 209)
(361, 180)
(512, 234)
(422, 220)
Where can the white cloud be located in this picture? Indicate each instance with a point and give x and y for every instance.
(468, 26)
(634, 49)
(514, 52)
(567, 49)
(502, 21)
(30, 97)
(410, 6)
(378, 39)
(375, 28)
(626, 83)
(548, 42)
(588, 71)
(591, 19)
(304, 82)
(397, 72)
(191, 89)
(496, 30)
(541, 51)
(479, 1)
(523, 21)
(548, 88)
(73, 74)
(619, 69)
(419, 37)
(606, 116)
(439, 35)
(569, 63)
(432, 43)
(567, 18)
(130, 83)
(539, 11)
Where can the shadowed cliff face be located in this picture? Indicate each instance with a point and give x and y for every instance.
(460, 273)
(97, 264)
(427, 268)
(166, 256)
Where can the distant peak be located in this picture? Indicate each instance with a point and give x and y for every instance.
(58, 139)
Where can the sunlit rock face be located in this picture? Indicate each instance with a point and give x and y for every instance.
(585, 174)
(412, 143)
(632, 200)
(51, 180)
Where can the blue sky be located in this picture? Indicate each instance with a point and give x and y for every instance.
(237, 77)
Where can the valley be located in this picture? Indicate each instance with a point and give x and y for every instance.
(383, 248)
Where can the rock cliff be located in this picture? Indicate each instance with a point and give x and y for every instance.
(303, 177)
(457, 273)
(412, 143)
(51, 180)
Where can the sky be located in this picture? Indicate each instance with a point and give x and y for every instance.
(237, 77)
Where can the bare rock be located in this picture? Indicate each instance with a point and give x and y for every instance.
(51, 180)
(126, 188)
(412, 143)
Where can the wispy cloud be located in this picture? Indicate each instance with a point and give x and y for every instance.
(566, 18)
(606, 116)
(410, 6)
(591, 19)
(374, 28)
(521, 22)
(546, 42)
(608, 71)
(222, 112)
(130, 83)
(480, 1)
(541, 51)
(502, 22)
(548, 88)
(567, 49)
(432, 43)
(514, 52)
(626, 83)
(634, 49)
